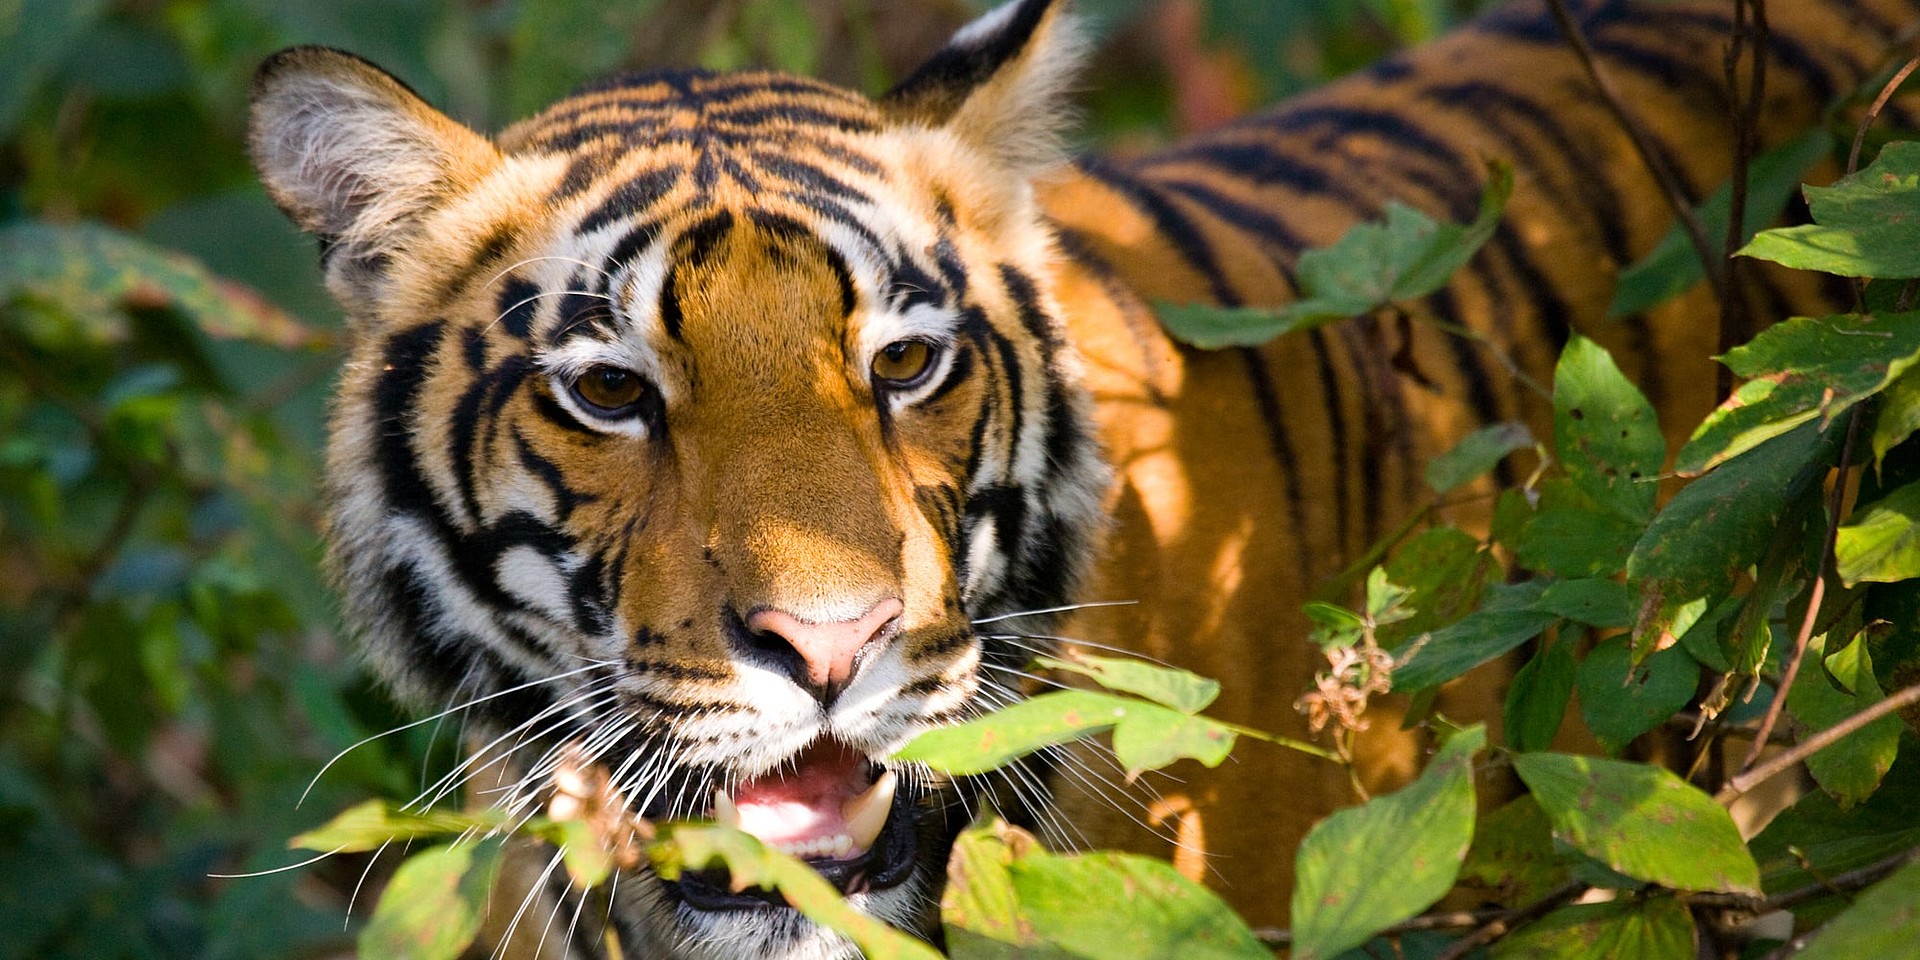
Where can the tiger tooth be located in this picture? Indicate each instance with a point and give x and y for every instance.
(867, 813)
(724, 812)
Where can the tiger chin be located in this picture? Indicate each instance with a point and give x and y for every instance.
(695, 422)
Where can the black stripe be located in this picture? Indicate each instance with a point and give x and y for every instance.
(565, 497)
(1336, 432)
(1179, 232)
(517, 303)
(632, 197)
(1280, 444)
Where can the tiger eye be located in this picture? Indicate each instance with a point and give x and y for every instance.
(903, 362)
(609, 389)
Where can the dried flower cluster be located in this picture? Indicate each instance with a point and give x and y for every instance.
(1356, 673)
(582, 791)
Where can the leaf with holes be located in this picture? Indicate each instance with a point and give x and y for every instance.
(1368, 867)
(1641, 821)
(1605, 432)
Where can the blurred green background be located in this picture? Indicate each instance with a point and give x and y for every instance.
(173, 668)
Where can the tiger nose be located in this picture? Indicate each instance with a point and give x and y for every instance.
(826, 651)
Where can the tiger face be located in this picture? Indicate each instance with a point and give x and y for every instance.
(693, 425)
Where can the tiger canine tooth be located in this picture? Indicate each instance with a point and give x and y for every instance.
(867, 813)
(724, 812)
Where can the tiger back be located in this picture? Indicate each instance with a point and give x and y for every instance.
(710, 428)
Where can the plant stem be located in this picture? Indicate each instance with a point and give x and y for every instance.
(1839, 885)
(1749, 37)
(1786, 760)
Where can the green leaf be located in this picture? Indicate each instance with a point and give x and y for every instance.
(1797, 371)
(1513, 854)
(1577, 542)
(1654, 928)
(1115, 906)
(1168, 686)
(1475, 454)
(1863, 224)
(374, 824)
(97, 272)
(1145, 735)
(1851, 769)
(1444, 572)
(1405, 256)
(1367, 867)
(1673, 265)
(1720, 525)
(1440, 656)
(1605, 432)
(750, 863)
(1880, 543)
(435, 903)
(1899, 415)
(1641, 821)
(1883, 922)
(980, 909)
(1817, 838)
(1621, 701)
(1595, 602)
(1537, 700)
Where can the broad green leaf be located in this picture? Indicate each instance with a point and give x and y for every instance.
(1640, 820)
(1716, 528)
(1405, 256)
(1620, 701)
(1881, 542)
(1435, 658)
(980, 908)
(1883, 922)
(1863, 223)
(1578, 543)
(1654, 928)
(1595, 602)
(373, 824)
(990, 742)
(1537, 700)
(1169, 686)
(435, 903)
(1673, 265)
(1605, 432)
(1444, 571)
(1145, 735)
(1851, 769)
(1367, 867)
(1152, 736)
(1899, 415)
(1475, 454)
(1513, 854)
(97, 272)
(750, 863)
(1798, 371)
(1116, 906)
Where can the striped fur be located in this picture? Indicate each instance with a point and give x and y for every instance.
(747, 244)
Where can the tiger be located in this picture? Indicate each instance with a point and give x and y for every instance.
(736, 428)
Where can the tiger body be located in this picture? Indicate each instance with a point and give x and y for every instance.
(704, 421)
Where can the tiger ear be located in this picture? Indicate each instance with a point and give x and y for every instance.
(1000, 83)
(356, 158)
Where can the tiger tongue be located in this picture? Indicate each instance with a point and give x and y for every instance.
(825, 804)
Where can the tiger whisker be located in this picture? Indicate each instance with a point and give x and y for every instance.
(521, 263)
(1060, 609)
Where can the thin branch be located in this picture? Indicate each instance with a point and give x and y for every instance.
(1873, 112)
(1839, 885)
(1835, 499)
(1749, 38)
(1511, 920)
(1788, 759)
(1657, 164)
(1451, 920)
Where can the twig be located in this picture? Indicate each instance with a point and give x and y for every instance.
(1827, 887)
(1873, 112)
(1662, 170)
(1835, 497)
(1451, 920)
(1787, 759)
(1749, 37)
(1509, 920)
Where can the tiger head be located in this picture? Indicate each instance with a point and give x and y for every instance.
(695, 424)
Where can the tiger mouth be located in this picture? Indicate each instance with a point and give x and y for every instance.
(831, 807)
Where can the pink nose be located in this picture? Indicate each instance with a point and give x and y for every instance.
(828, 650)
